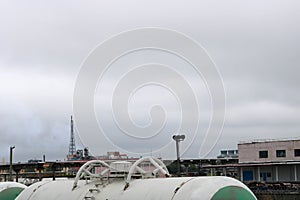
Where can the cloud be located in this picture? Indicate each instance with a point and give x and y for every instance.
(254, 44)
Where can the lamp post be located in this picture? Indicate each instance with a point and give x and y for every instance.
(10, 162)
(178, 138)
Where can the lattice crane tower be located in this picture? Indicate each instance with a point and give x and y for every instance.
(72, 145)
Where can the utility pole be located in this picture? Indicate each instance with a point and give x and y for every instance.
(178, 138)
(10, 162)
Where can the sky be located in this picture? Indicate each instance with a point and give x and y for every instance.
(254, 44)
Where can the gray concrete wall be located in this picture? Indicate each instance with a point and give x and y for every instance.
(284, 173)
(298, 172)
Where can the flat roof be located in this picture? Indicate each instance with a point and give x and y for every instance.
(253, 164)
(269, 140)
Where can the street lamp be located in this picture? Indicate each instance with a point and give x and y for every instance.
(10, 162)
(178, 138)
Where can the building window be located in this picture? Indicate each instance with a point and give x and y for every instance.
(265, 174)
(280, 153)
(263, 154)
(297, 152)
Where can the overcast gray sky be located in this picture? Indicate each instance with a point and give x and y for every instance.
(255, 45)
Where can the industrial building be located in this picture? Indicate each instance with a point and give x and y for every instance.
(269, 160)
(229, 154)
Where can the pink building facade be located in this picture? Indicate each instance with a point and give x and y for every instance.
(270, 160)
(269, 151)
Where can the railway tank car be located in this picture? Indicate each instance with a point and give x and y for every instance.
(96, 180)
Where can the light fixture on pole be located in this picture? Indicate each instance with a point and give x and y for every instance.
(178, 138)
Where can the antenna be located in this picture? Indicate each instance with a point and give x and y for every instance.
(72, 146)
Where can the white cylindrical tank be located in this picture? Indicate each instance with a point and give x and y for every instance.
(187, 188)
(10, 190)
(123, 181)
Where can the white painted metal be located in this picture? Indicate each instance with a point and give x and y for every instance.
(187, 188)
(158, 164)
(10, 190)
(276, 173)
(6, 185)
(120, 166)
(85, 171)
